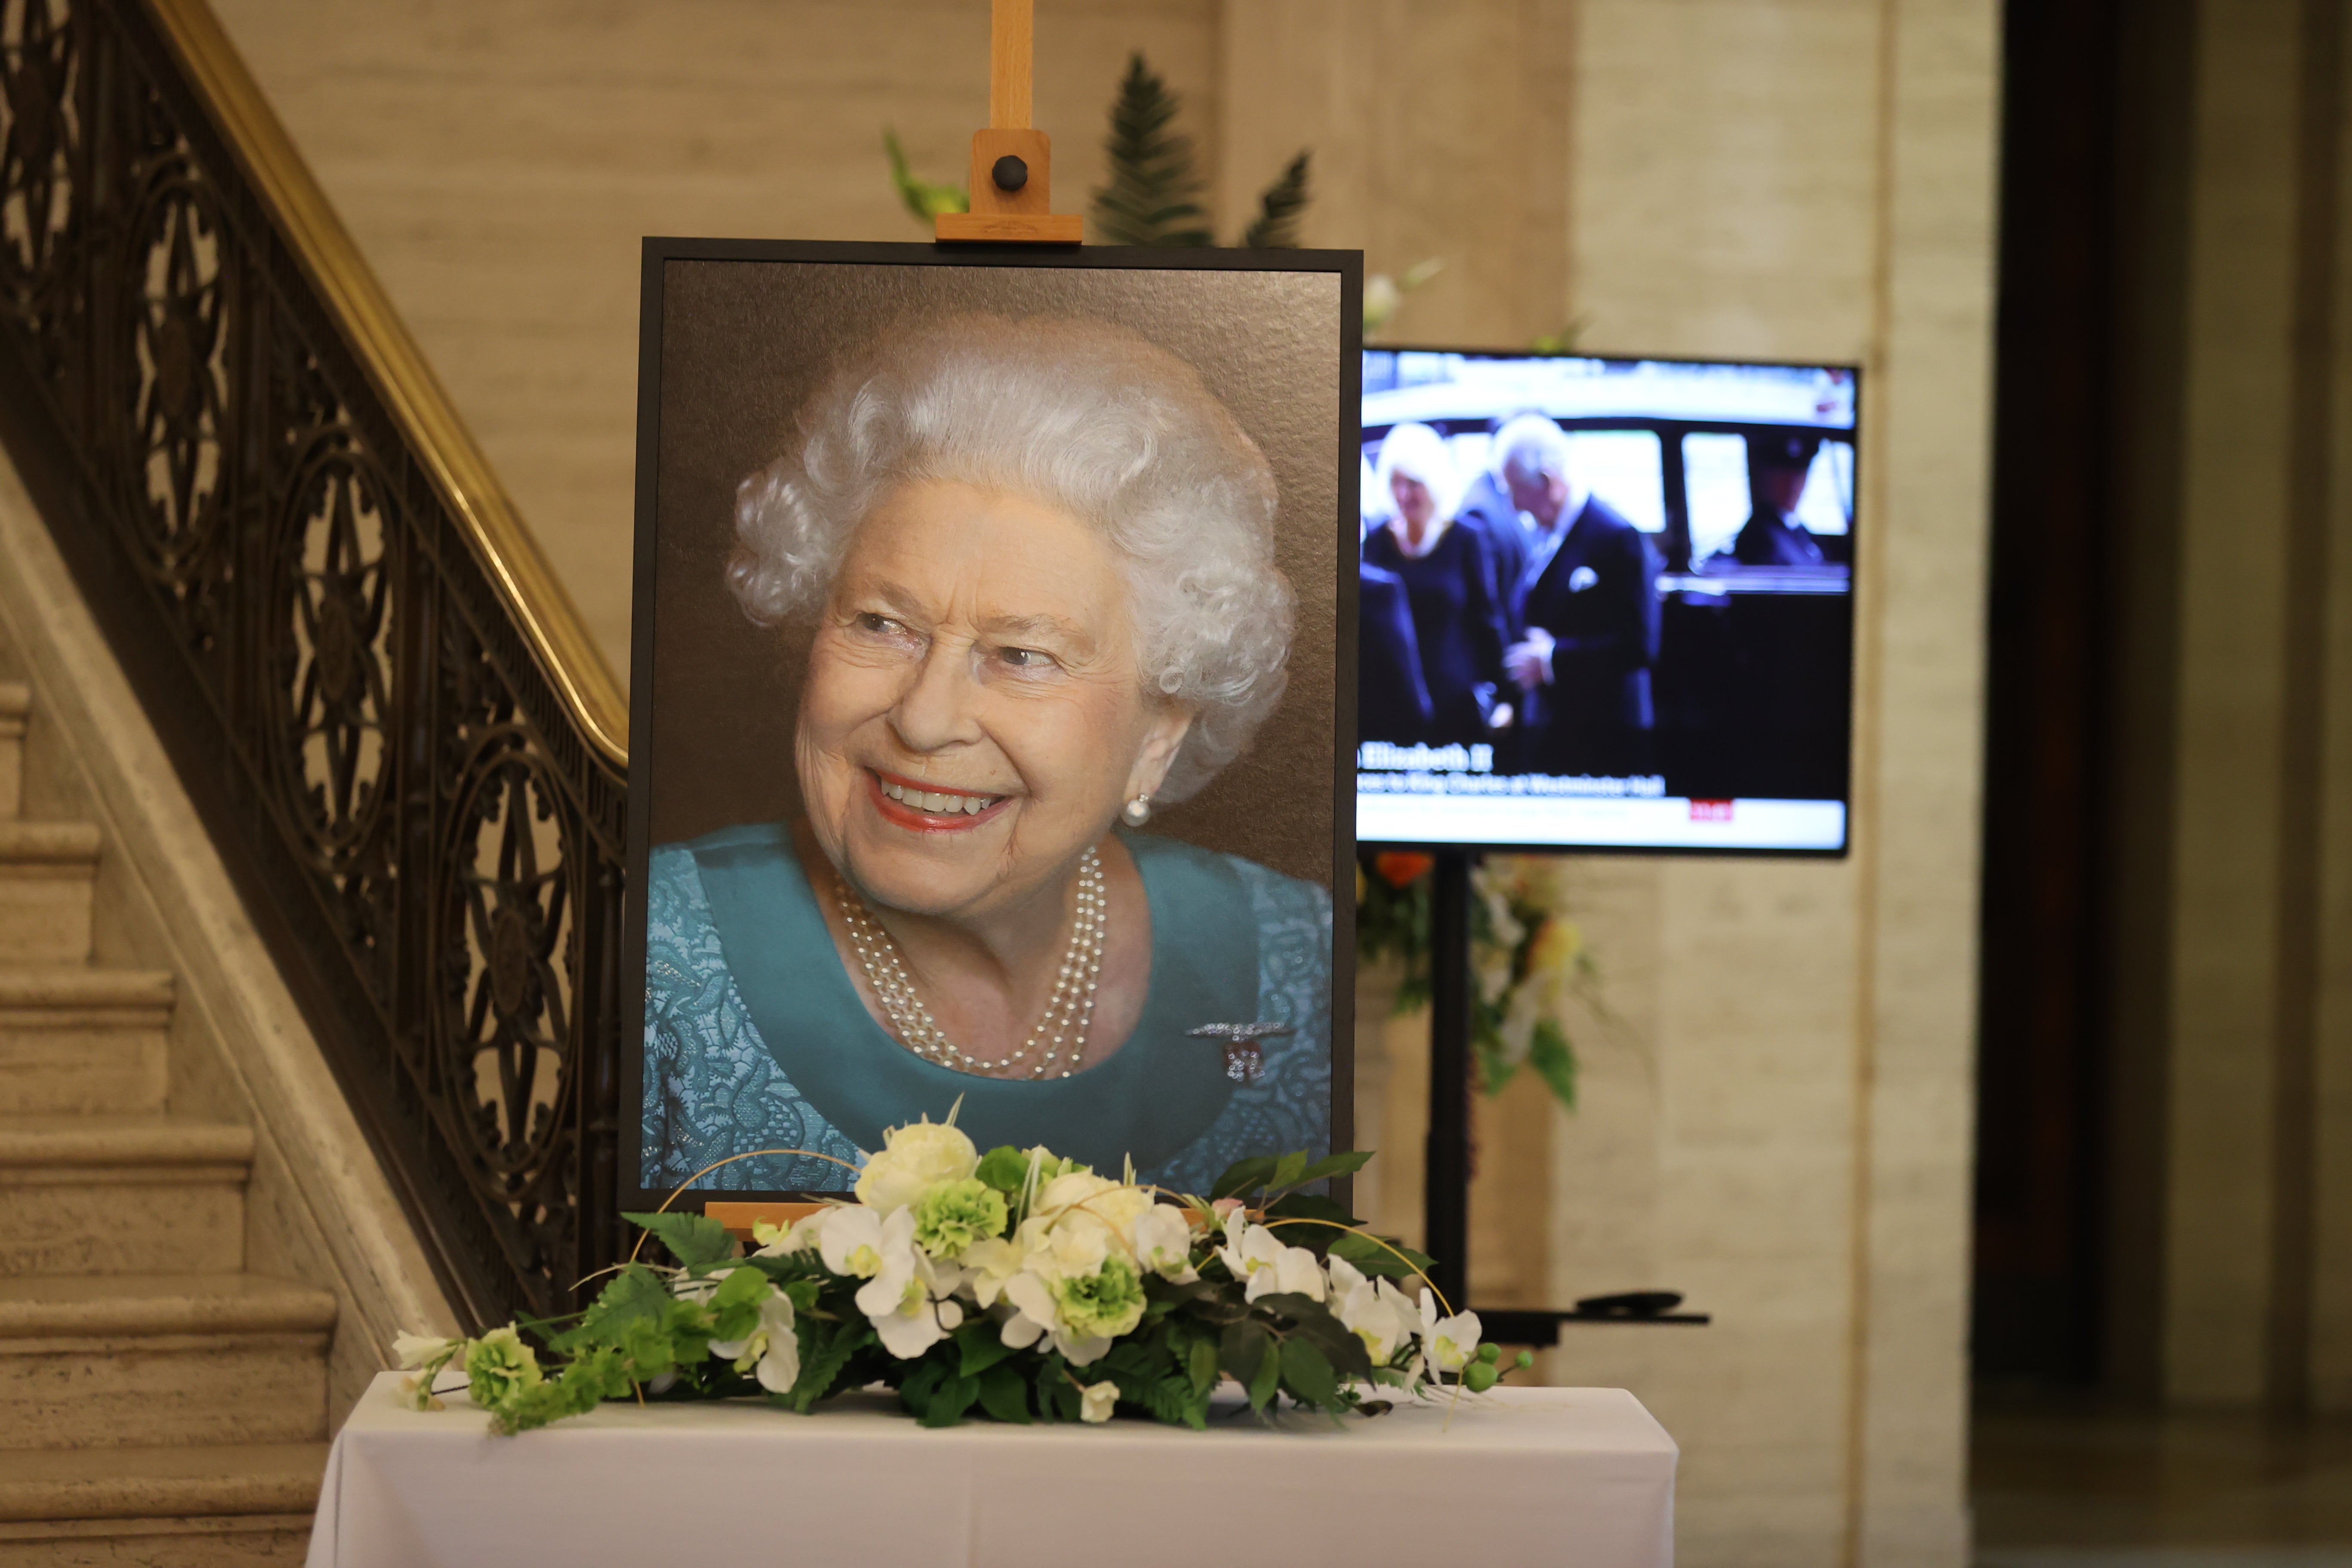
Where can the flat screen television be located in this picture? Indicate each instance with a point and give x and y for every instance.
(1607, 604)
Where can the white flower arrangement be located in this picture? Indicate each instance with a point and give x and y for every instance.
(988, 1284)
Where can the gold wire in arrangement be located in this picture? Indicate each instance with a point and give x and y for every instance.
(679, 1190)
(1358, 1230)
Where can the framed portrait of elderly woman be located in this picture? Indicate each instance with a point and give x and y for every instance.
(992, 700)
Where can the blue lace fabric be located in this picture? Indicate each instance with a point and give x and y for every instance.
(713, 1088)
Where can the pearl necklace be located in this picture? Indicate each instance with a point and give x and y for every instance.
(1067, 1013)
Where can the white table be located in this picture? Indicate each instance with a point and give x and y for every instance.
(1579, 1477)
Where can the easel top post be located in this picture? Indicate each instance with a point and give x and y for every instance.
(1011, 53)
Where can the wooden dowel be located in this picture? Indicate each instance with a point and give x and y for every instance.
(1011, 52)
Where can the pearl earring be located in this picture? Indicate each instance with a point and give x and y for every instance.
(1137, 811)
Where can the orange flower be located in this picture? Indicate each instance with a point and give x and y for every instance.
(1402, 869)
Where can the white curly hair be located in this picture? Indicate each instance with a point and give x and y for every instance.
(1089, 418)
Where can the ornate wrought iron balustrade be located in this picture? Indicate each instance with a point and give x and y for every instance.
(387, 716)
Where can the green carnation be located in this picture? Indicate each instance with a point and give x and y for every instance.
(1104, 1304)
(952, 1215)
(498, 1367)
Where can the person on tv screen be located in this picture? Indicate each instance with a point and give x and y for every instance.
(1778, 467)
(1033, 562)
(1588, 601)
(1449, 579)
(1392, 700)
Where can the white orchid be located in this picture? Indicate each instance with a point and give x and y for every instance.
(908, 1300)
(1163, 1244)
(783, 1241)
(854, 1240)
(1266, 1266)
(416, 1350)
(427, 1354)
(1097, 1401)
(1374, 1310)
(1446, 1343)
(913, 1159)
(988, 1265)
(771, 1351)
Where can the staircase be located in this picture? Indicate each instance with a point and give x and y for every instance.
(158, 1403)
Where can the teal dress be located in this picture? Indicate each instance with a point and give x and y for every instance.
(755, 1037)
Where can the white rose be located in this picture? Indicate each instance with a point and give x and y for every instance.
(914, 1160)
(1101, 1398)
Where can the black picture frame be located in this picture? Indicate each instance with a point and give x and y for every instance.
(658, 253)
(1851, 605)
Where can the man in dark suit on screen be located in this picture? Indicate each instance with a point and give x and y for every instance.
(1588, 601)
(1487, 507)
(1392, 703)
(1778, 467)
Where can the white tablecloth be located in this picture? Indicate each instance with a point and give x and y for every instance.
(1579, 1477)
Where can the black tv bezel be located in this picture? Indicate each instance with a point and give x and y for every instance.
(1853, 592)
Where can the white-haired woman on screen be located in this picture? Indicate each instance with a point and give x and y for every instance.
(1033, 565)
(1449, 578)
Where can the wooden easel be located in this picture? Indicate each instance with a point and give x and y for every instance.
(1012, 163)
(1012, 201)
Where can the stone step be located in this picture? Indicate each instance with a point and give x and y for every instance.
(47, 873)
(78, 1039)
(121, 1195)
(156, 1490)
(97, 1360)
(16, 703)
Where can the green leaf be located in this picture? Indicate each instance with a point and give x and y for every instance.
(1242, 1174)
(1280, 209)
(1263, 1382)
(924, 200)
(1332, 1166)
(1288, 1169)
(1555, 1061)
(696, 1240)
(823, 1354)
(915, 1388)
(1307, 1372)
(1153, 197)
(1372, 1259)
(1312, 1320)
(1172, 1400)
(735, 1305)
(1308, 1205)
(1005, 1394)
(951, 1398)
(636, 1291)
(1004, 1168)
(981, 1345)
(1058, 1397)
(1202, 1361)
(1241, 1348)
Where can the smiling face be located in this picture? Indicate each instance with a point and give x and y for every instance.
(1414, 502)
(973, 715)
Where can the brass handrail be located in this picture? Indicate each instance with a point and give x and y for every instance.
(559, 639)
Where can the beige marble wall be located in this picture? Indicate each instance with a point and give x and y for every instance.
(498, 161)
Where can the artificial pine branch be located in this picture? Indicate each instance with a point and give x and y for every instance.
(1153, 197)
(1280, 210)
